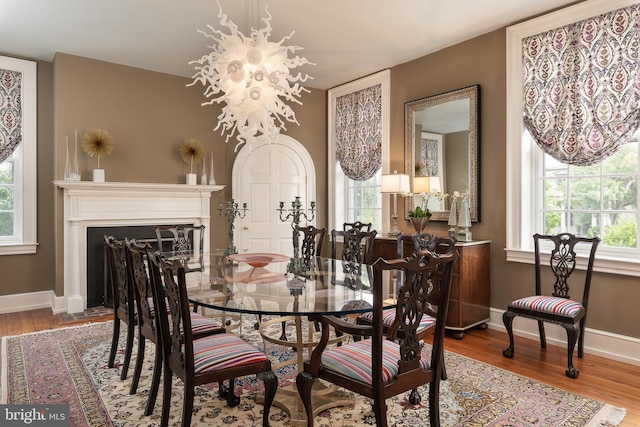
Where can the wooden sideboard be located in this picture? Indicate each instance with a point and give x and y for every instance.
(469, 303)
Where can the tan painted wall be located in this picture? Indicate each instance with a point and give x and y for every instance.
(149, 114)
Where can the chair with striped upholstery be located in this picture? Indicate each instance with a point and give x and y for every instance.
(196, 361)
(140, 281)
(418, 243)
(557, 306)
(379, 366)
(124, 306)
(429, 242)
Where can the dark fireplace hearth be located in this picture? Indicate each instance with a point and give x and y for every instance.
(98, 285)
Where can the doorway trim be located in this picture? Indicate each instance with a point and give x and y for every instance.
(299, 150)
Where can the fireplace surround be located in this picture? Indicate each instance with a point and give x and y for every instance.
(120, 204)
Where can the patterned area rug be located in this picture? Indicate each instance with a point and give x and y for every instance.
(69, 366)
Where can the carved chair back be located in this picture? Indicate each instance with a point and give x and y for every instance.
(362, 226)
(185, 241)
(311, 246)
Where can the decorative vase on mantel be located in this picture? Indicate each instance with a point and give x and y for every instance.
(419, 223)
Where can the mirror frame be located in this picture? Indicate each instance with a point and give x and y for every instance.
(411, 107)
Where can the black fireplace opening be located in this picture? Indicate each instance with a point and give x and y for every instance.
(99, 291)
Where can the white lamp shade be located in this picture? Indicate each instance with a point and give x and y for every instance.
(395, 183)
(426, 184)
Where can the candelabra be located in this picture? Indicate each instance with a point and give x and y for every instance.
(232, 211)
(296, 266)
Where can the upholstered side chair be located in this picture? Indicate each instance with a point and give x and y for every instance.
(197, 361)
(140, 280)
(552, 302)
(379, 366)
(124, 306)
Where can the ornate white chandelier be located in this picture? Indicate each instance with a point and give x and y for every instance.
(253, 77)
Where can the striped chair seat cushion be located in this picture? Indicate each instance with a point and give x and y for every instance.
(354, 360)
(222, 351)
(389, 315)
(547, 304)
(202, 325)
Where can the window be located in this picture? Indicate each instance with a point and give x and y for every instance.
(7, 199)
(546, 196)
(351, 200)
(364, 203)
(18, 172)
(598, 200)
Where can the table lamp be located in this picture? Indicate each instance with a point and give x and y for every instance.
(426, 186)
(395, 184)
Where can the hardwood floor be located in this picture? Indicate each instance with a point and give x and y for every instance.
(602, 379)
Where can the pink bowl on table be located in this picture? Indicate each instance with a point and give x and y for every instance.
(257, 259)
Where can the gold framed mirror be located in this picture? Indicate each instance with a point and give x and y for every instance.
(442, 142)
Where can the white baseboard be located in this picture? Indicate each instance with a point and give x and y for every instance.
(600, 343)
(29, 301)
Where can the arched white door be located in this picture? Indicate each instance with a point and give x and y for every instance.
(263, 175)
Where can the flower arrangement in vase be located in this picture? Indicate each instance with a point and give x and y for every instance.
(192, 151)
(419, 217)
(97, 143)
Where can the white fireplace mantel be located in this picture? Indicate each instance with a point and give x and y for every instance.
(120, 204)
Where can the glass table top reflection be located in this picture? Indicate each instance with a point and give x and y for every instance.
(261, 284)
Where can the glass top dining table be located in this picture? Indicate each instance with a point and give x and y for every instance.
(261, 284)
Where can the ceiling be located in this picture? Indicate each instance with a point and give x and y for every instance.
(345, 39)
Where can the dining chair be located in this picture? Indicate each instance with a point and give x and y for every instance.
(140, 280)
(311, 246)
(556, 306)
(183, 240)
(420, 243)
(354, 248)
(353, 245)
(198, 361)
(379, 367)
(124, 306)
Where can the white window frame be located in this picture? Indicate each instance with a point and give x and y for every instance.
(25, 164)
(523, 156)
(337, 189)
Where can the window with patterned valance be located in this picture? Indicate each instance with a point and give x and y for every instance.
(581, 89)
(18, 156)
(358, 135)
(10, 112)
(359, 132)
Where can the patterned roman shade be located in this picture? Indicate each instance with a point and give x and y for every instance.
(582, 86)
(359, 132)
(10, 112)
